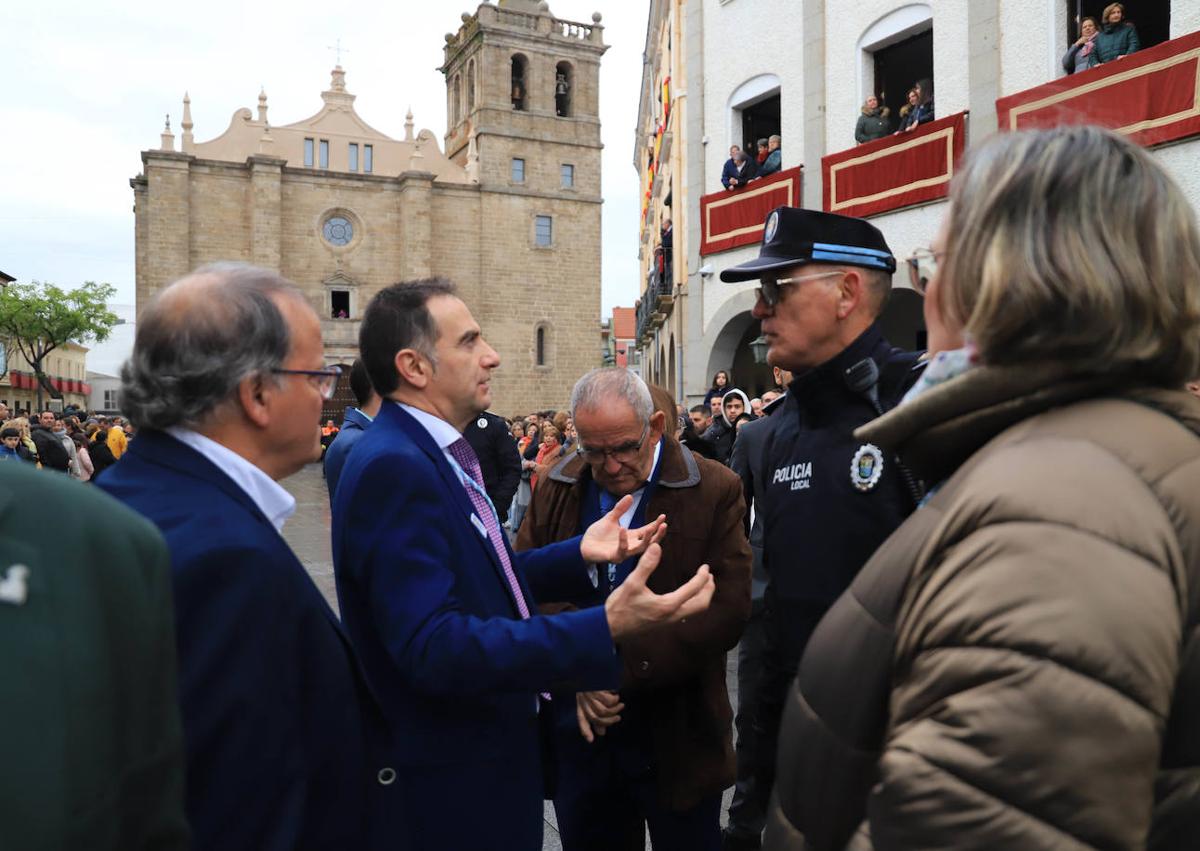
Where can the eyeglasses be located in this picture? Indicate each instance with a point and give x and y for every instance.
(922, 268)
(622, 454)
(769, 289)
(325, 380)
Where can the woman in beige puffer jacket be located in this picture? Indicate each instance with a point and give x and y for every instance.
(1018, 666)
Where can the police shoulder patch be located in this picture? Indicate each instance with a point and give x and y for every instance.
(482, 422)
(866, 467)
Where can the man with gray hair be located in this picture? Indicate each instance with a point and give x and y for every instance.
(658, 752)
(285, 746)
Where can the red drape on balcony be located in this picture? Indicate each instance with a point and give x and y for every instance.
(732, 219)
(1153, 96)
(895, 172)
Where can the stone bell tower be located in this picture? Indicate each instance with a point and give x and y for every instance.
(522, 118)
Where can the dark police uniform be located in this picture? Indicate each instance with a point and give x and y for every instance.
(499, 460)
(829, 500)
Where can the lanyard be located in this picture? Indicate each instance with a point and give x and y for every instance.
(469, 481)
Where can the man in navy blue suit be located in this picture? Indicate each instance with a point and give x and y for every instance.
(286, 748)
(354, 423)
(438, 605)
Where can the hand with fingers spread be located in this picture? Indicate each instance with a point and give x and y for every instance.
(597, 711)
(632, 607)
(606, 541)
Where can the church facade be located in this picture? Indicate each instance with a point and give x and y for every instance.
(508, 209)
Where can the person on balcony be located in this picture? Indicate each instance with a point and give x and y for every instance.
(774, 161)
(730, 170)
(920, 106)
(1082, 54)
(1118, 37)
(874, 123)
(743, 171)
(764, 150)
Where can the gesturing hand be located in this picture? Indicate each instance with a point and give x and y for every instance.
(607, 541)
(597, 711)
(632, 607)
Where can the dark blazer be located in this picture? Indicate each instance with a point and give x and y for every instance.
(747, 461)
(354, 423)
(677, 671)
(427, 605)
(284, 743)
(499, 459)
(92, 747)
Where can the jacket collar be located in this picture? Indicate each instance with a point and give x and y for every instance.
(826, 384)
(679, 468)
(160, 448)
(938, 430)
(353, 416)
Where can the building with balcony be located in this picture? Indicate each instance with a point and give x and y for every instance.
(508, 209)
(803, 68)
(66, 367)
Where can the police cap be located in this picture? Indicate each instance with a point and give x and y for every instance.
(793, 236)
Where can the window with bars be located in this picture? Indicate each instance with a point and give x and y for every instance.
(543, 231)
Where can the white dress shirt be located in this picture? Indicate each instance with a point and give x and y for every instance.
(442, 432)
(276, 504)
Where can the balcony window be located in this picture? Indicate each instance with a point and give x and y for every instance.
(1152, 18)
(339, 301)
(899, 66)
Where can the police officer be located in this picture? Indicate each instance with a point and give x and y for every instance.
(499, 460)
(829, 500)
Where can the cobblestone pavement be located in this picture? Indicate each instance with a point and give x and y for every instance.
(307, 532)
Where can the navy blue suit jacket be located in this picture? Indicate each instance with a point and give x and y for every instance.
(284, 741)
(427, 605)
(354, 423)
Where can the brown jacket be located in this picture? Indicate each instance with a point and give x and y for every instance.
(1025, 647)
(681, 667)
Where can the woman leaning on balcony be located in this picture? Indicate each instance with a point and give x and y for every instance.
(1117, 37)
(1082, 54)
(1018, 666)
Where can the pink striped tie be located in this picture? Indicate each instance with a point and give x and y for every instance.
(465, 456)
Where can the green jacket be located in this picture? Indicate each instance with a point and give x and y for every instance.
(872, 124)
(1116, 40)
(91, 748)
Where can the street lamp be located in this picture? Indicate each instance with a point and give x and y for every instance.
(758, 347)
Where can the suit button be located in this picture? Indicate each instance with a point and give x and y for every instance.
(645, 666)
(387, 776)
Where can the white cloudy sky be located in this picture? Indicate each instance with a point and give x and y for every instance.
(89, 84)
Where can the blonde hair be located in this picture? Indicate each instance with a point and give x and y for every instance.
(19, 423)
(1074, 245)
(1108, 10)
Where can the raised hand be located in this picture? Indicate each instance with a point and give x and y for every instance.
(607, 541)
(632, 607)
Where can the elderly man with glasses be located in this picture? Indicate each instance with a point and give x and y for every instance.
(658, 752)
(286, 748)
(829, 498)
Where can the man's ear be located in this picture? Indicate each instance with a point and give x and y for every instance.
(254, 394)
(851, 292)
(658, 422)
(413, 368)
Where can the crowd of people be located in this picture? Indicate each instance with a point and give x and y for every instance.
(70, 441)
(960, 583)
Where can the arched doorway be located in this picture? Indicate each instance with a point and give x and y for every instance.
(731, 351)
(343, 397)
(671, 369)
